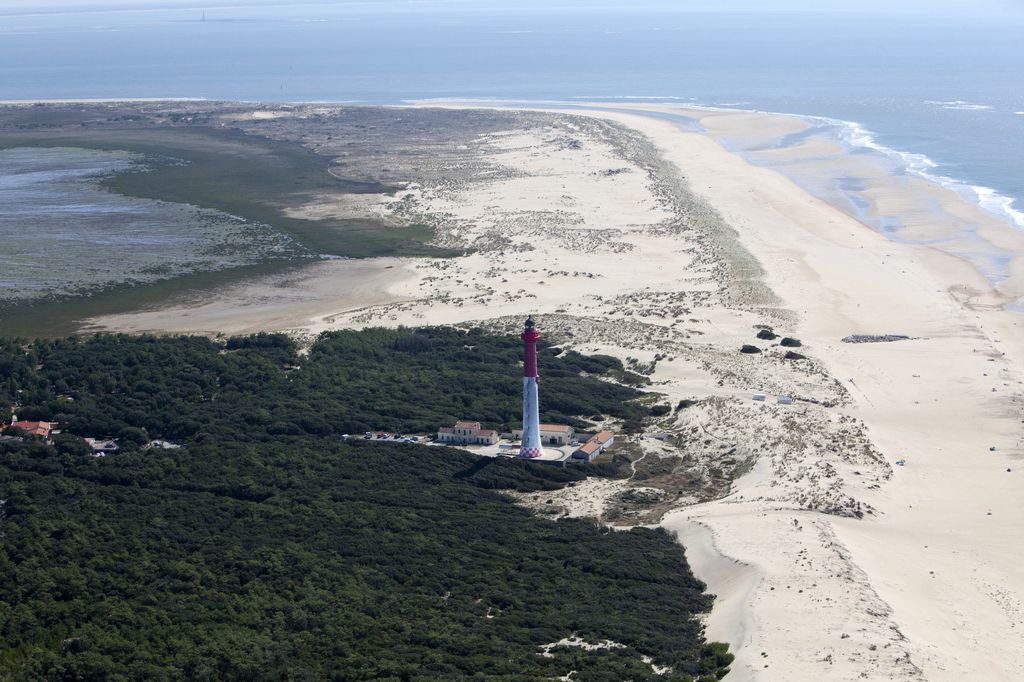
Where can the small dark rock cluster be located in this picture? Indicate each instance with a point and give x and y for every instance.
(766, 333)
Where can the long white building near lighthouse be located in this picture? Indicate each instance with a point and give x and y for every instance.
(531, 442)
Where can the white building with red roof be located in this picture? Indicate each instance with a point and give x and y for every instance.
(597, 444)
(467, 433)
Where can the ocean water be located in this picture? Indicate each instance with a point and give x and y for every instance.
(939, 87)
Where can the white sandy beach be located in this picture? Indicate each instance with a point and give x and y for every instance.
(587, 232)
(937, 563)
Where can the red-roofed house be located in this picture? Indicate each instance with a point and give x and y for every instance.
(41, 429)
(597, 444)
(467, 433)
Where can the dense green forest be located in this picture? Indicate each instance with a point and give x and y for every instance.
(350, 382)
(267, 547)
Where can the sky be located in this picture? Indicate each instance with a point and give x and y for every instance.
(930, 6)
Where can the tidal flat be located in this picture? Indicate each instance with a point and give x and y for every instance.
(65, 235)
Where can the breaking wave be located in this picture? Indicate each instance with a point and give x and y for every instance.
(854, 136)
(960, 105)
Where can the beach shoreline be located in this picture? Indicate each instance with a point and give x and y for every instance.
(842, 278)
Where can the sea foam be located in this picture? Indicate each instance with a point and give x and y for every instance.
(642, 98)
(854, 135)
(961, 105)
(994, 202)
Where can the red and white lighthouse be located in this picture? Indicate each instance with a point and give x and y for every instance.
(530, 447)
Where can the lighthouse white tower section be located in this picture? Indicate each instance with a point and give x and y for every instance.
(530, 447)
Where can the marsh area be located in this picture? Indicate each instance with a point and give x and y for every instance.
(65, 235)
(118, 207)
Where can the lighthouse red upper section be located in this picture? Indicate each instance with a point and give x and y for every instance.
(529, 337)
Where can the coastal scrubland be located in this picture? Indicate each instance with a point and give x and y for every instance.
(269, 546)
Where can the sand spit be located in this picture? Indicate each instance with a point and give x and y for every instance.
(873, 531)
(303, 295)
